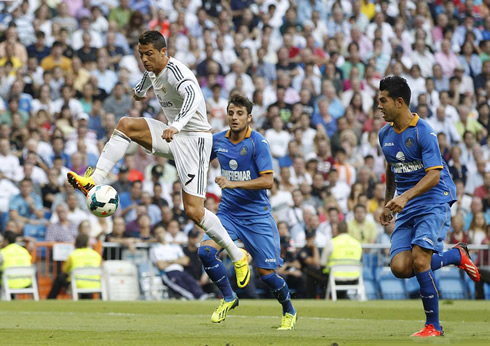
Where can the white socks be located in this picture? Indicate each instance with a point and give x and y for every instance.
(215, 230)
(113, 151)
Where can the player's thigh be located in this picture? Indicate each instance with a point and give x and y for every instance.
(401, 238)
(192, 152)
(152, 139)
(431, 227)
(230, 226)
(261, 239)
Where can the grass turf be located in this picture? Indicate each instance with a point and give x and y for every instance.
(254, 322)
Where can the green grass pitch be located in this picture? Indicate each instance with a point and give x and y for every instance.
(254, 322)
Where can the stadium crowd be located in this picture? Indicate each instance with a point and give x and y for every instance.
(312, 69)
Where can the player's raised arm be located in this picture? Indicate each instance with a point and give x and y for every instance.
(139, 91)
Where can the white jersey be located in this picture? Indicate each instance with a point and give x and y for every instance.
(179, 94)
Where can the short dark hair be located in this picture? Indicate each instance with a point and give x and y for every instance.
(81, 241)
(10, 237)
(153, 37)
(396, 87)
(239, 100)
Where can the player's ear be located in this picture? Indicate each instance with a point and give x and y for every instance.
(249, 118)
(163, 51)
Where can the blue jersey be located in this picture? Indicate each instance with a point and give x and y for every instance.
(242, 161)
(411, 153)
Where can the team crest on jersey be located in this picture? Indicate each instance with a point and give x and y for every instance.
(400, 156)
(233, 164)
(409, 142)
(244, 151)
(164, 90)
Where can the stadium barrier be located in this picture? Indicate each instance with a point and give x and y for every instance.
(48, 258)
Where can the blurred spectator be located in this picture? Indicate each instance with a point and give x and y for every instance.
(170, 260)
(50, 189)
(309, 257)
(177, 210)
(63, 230)
(342, 248)
(128, 201)
(120, 14)
(339, 189)
(360, 228)
(174, 235)
(27, 207)
(56, 59)
(9, 163)
(478, 228)
(74, 213)
(458, 235)
(291, 268)
(19, 49)
(14, 255)
(281, 202)
(83, 256)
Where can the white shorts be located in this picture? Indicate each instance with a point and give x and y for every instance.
(191, 152)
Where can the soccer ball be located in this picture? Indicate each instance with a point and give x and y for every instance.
(102, 200)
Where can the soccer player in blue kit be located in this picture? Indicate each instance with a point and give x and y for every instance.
(245, 210)
(425, 193)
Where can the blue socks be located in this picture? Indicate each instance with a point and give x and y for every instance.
(216, 271)
(452, 256)
(280, 290)
(430, 297)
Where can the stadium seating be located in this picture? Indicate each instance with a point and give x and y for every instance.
(390, 286)
(151, 283)
(80, 274)
(121, 279)
(349, 266)
(19, 273)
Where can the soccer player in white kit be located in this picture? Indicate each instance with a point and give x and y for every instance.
(187, 139)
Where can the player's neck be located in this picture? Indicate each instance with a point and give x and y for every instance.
(237, 137)
(162, 66)
(403, 120)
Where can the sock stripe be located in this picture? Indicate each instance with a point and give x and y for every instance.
(120, 134)
(434, 284)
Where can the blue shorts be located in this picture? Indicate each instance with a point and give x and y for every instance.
(260, 237)
(425, 227)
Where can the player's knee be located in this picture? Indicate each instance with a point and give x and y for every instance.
(131, 127)
(207, 254)
(195, 213)
(420, 264)
(401, 271)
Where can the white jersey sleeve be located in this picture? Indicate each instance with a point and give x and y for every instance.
(142, 87)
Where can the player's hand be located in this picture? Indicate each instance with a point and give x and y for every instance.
(138, 98)
(169, 133)
(224, 183)
(397, 204)
(386, 217)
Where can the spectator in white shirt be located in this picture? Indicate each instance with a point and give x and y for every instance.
(440, 123)
(9, 163)
(278, 138)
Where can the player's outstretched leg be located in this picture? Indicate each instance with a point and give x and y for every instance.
(460, 256)
(217, 273)
(280, 290)
(113, 151)
(215, 230)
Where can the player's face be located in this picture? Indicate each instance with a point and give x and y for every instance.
(388, 106)
(238, 118)
(151, 57)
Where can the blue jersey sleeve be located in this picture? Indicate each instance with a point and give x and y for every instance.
(431, 155)
(263, 157)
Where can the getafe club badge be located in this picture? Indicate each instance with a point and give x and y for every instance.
(244, 151)
(409, 142)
